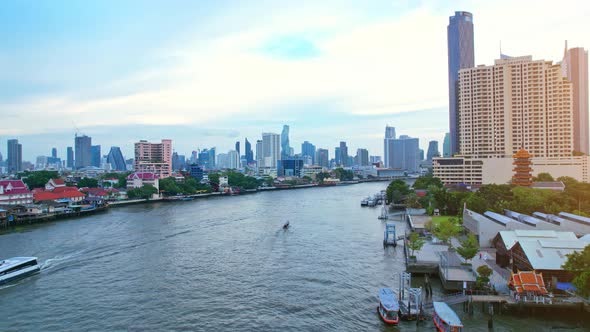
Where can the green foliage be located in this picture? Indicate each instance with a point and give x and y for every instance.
(415, 242)
(37, 179)
(543, 177)
(397, 190)
(446, 228)
(424, 182)
(87, 182)
(214, 179)
(144, 192)
(469, 247)
(578, 263)
(321, 176)
(477, 203)
(412, 201)
(189, 186)
(343, 174)
(237, 179)
(484, 272)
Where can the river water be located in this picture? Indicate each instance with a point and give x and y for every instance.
(218, 264)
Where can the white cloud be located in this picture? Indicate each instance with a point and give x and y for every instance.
(368, 67)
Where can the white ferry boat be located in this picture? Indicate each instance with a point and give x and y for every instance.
(17, 268)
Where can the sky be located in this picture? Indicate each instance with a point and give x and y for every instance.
(209, 73)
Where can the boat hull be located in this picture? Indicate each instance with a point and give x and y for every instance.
(21, 274)
(388, 321)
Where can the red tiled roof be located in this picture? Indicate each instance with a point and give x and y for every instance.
(95, 191)
(528, 281)
(18, 187)
(65, 189)
(58, 182)
(51, 195)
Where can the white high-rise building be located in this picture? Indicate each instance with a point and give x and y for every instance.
(516, 103)
(388, 146)
(271, 149)
(233, 159)
(575, 68)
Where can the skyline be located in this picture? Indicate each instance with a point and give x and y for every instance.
(210, 84)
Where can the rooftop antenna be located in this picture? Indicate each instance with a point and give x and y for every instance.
(500, 49)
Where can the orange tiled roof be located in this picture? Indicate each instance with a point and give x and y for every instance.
(528, 281)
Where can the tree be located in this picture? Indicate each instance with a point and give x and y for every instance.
(412, 201)
(343, 175)
(426, 181)
(477, 203)
(415, 242)
(144, 192)
(445, 229)
(483, 276)
(578, 263)
(543, 177)
(396, 191)
(37, 179)
(469, 247)
(88, 183)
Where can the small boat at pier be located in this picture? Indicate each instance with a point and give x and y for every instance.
(445, 319)
(365, 202)
(15, 268)
(388, 307)
(286, 225)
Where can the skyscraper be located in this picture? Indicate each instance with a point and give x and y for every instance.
(238, 147)
(95, 155)
(575, 68)
(14, 160)
(516, 103)
(248, 152)
(432, 150)
(154, 157)
(461, 55)
(362, 157)
(322, 158)
(271, 145)
(388, 146)
(212, 164)
(83, 145)
(70, 157)
(54, 153)
(447, 146)
(115, 158)
(343, 154)
(405, 154)
(285, 147)
(308, 149)
(233, 159)
(259, 158)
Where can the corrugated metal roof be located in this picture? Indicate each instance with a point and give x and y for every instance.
(548, 258)
(585, 238)
(575, 217)
(497, 217)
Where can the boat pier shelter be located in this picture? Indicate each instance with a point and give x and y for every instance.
(453, 274)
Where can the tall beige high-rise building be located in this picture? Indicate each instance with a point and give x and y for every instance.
(516, 103)
(154, 157)
(575, 68)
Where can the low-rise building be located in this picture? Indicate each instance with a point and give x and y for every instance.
(140, 179)
(54, 183)
(15, 192)
(485, 227)
(477, 171)
(540, 251)
(71, 194)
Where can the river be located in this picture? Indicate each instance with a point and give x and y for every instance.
(218, 264)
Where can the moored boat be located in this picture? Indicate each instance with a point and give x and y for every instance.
(445, 319)
(388, 307)
(15, 268)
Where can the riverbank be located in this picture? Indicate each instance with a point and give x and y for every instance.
(18, 220)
